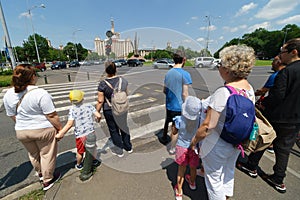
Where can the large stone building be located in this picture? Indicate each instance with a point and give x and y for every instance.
(120, 47)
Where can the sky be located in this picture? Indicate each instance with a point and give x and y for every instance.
(193, 24)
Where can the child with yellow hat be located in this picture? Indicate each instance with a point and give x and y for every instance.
(82, 116)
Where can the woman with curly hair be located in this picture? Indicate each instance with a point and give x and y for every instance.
(219, 156)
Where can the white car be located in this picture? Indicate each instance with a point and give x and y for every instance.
(163, 63)
(118, 63)
(203, 62)
(215, 63)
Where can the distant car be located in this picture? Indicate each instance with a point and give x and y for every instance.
(40, 66)
(74, 64)
(163, 63)
(59, 65)
(85, 63)
(134, 63)
(118, 63)
(122, 61)
(203, 61)
(215, 63)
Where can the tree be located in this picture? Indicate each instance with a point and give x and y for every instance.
(69, 50)
(30, 50)
(82, 52)
(20, 54)
(93, 56)
(57, 55)
(265, 43)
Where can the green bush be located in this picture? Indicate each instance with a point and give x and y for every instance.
(5, 80)
(6, 71)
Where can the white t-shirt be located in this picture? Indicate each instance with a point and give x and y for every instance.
(32, 110)
(218, 102)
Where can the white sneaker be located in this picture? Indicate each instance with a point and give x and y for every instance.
(172, 150)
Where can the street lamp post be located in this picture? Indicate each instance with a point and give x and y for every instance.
(76, 53)
(7, 38)
(207, 39)
(35, 43)
(208, 30)
(285, 33)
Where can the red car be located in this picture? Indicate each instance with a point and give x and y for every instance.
(40, 66)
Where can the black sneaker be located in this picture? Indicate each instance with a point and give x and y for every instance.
(280, 187)
(48, 185)
(164, 140)
(79, 167)
(244, 168)
(96, 163)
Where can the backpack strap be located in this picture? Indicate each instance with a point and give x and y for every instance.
(233, 90)
(120, 84)
(109, 85)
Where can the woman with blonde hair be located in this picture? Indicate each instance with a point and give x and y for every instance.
(219, 156)
(36, 120)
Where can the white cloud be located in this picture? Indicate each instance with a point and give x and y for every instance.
(233, 29)
(200, 39)
(291, 20)
(24, 14)
(243, 26)
(211, 28)
(221, 38)
(187, 41)
(245, 9)
(277, 8)
(194, 18)
(264, 25)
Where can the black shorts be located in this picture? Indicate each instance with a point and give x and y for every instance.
(171, 114)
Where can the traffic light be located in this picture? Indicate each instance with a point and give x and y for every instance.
(109, 34)
(107, 49)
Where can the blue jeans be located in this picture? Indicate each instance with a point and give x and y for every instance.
(283, 143)
(118, 129)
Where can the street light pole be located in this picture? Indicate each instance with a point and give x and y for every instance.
(35, 43)
(7, 38)
(208, 17)
(76, 53)
(286, 30)
(208, 27)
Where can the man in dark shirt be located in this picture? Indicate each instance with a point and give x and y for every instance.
(282, 108)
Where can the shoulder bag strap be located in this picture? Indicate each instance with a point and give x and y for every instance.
(20, 101)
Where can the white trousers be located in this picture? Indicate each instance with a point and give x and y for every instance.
(219, 166)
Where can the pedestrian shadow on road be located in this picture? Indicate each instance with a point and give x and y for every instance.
(16, 175)
(171, 168)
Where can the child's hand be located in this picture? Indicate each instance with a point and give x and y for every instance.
(97, 119)
(59, 135)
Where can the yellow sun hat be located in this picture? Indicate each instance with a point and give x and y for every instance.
(76, 96)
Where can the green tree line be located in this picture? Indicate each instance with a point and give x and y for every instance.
(265, 43)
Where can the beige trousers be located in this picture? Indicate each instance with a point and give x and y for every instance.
(42, 149)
